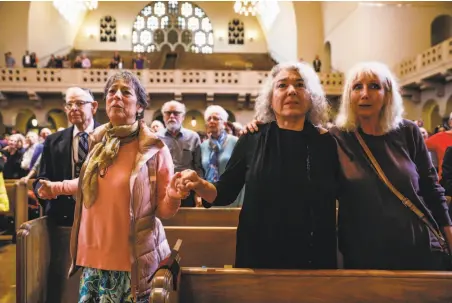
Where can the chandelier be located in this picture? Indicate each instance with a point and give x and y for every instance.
(71, 9)
(246, 7)
(90, 4)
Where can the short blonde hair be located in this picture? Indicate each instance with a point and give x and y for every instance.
(319, 108)
(216, 109)
(391, 115)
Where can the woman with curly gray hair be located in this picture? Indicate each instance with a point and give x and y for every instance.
(289, 169)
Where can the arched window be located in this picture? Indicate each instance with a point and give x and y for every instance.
(108, 29)
(174, 24)
(236, 32)
(441, 29)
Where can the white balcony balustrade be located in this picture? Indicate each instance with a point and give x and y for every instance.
(155, 81)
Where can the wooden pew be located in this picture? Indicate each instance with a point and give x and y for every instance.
(204, 246)
(42, 262)
(206, 285)
(18, 204)
(204, 217)
(43, 257)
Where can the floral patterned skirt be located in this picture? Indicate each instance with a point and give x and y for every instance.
(106, 286)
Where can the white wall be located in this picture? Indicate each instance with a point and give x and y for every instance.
(309, 30)
(282, 37)
(46, 21)
(13, 30)
(220, 13)
(388, 33)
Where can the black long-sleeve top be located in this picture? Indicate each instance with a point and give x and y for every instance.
(376, 231)
(288, 216)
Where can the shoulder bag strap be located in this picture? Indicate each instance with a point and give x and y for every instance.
(405, 201)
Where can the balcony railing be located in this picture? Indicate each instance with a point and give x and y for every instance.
(155, 81)
(433, 61)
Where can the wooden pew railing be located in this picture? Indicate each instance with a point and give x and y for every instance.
(18, 204)
(32, 261)
(206, 285)
(37, 240)
(204, 217)
(203, 245)
(42, 262)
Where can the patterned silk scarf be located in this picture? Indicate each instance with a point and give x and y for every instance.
(216, 148)
(102, 156)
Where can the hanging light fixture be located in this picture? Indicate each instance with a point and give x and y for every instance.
(90, 4)
(246, 7)
(71, 9)
(193, 121)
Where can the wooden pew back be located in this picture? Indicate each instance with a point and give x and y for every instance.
(18, 204)
(43, 257)
(32, 261)
(11, 192)
(43, 261)
(204, 246)
(204, 217)
(340, 286)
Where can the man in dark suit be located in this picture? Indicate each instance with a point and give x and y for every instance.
(65, 151)
(317, 64)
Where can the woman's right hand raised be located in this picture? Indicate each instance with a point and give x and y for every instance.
(45, 191)
(251, 127)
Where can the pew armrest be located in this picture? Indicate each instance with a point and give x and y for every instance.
(166, 280)
(32, 261)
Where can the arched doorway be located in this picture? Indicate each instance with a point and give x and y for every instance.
(2, 126)
(194, 120)
(58, 117)
(158, 116)
(25, 121)
(33, 126)
(449, 106)
(231, 116)
(327, 57)
(448, 113)
(441, 29)
(430, 115)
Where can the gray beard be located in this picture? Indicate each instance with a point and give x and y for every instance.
(173, 127)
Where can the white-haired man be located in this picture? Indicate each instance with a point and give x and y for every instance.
(184, 144)
(43, 134)
(65, 151)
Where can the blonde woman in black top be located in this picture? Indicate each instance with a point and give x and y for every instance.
(376, 230)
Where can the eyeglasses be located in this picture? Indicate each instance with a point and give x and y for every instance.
(77, 104)
(172, 112)
(214, 118)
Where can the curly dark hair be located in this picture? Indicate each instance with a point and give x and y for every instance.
(130, 78)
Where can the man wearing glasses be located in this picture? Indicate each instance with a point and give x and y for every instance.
(65, 151)
(184, 144)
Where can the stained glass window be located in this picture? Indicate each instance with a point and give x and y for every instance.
(187, 23)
